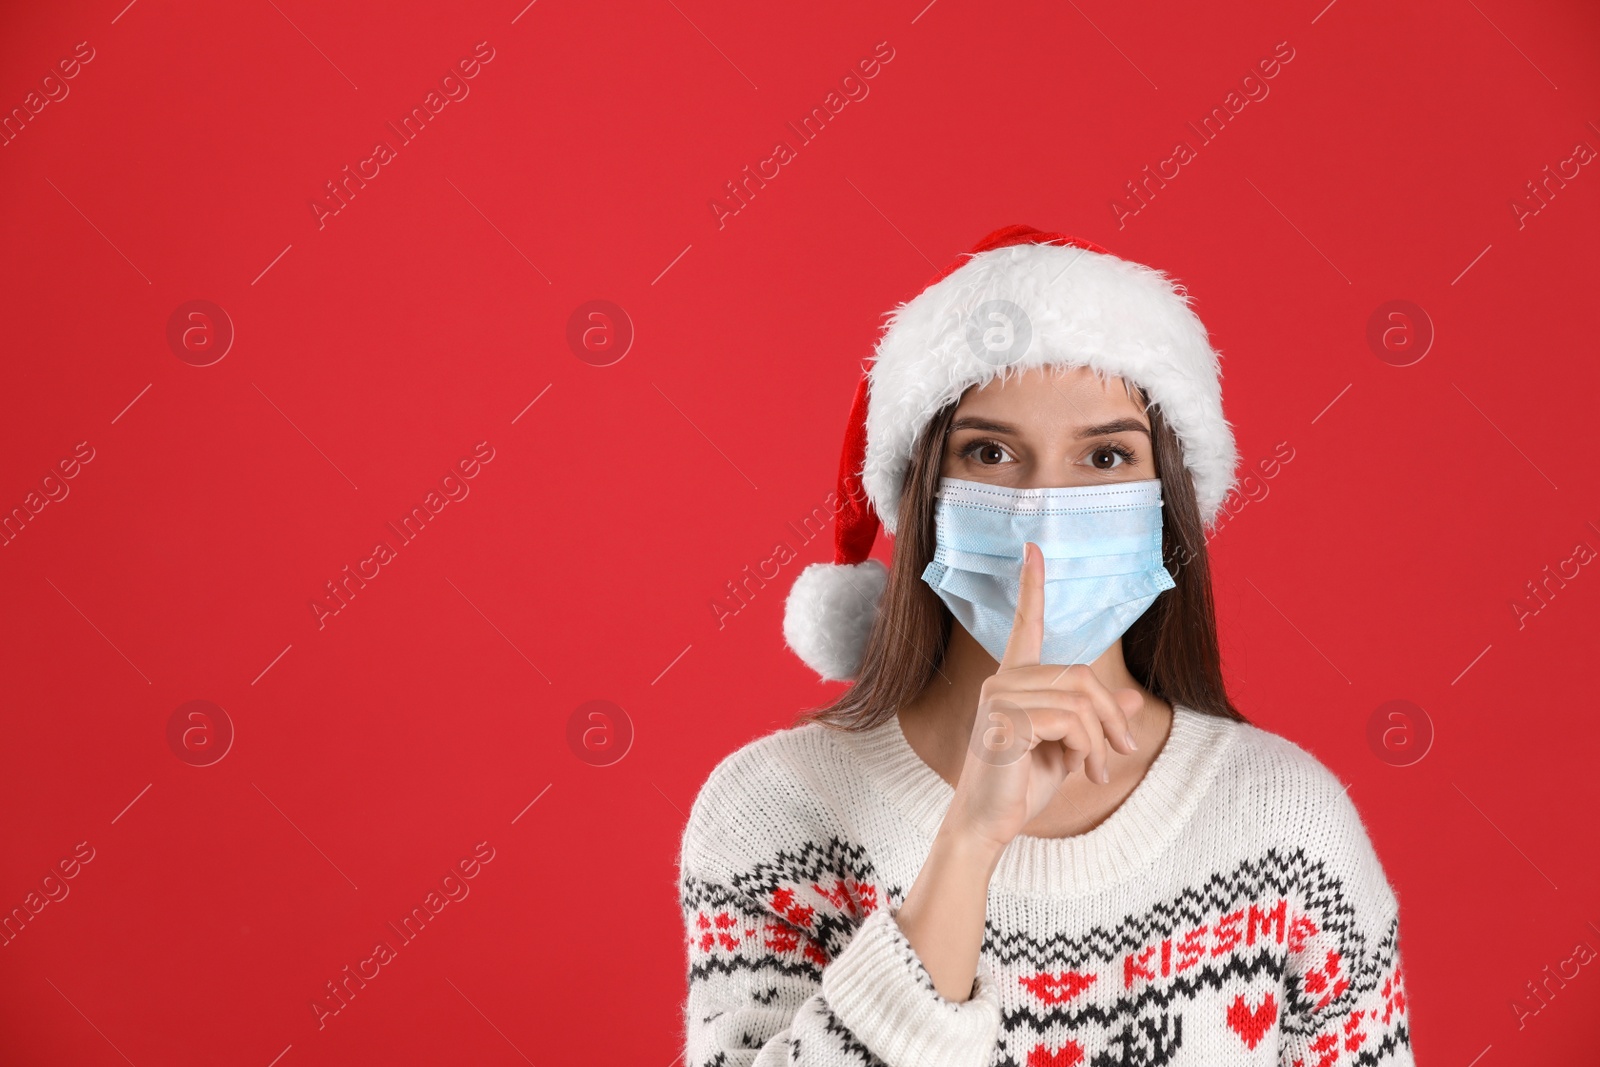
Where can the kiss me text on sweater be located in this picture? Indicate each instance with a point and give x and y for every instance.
(1249, 924)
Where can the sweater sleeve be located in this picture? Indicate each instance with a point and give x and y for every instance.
(1345, 1000)
(796, 960)
(760, 995)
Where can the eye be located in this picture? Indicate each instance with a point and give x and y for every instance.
(987, 451)
(1110, 456)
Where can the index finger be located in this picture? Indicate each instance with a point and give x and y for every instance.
(1027, 627)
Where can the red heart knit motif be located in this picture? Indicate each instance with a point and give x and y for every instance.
(1251, 1023)
(1068, 1055)
(1055, 988)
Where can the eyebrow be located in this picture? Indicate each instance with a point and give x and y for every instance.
(1124, 425)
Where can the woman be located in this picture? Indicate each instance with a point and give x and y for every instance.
(1034, 831)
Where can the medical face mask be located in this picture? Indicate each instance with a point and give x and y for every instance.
(1102, 561)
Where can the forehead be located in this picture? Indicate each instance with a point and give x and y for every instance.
(1052, 395)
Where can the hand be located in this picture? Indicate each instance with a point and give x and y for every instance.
(1036, 724)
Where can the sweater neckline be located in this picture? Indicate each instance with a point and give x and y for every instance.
(1127, 841)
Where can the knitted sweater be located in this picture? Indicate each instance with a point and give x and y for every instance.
(1231, 911)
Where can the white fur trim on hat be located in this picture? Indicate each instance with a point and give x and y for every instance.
(1078, 307)
(829, 613)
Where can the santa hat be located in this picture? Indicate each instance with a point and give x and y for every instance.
(1058, 300)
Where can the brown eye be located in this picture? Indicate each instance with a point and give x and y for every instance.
(1110, 457)
(989, 453)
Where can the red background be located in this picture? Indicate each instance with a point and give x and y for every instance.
(374, 351)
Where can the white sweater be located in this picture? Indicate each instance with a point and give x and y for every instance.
(1231, 911)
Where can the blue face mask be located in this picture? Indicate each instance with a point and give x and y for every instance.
(1102, 561)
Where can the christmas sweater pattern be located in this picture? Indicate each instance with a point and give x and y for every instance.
(1230, 912)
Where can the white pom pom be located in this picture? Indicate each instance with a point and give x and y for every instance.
(829, 614)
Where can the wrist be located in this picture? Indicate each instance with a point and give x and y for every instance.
(970, 847)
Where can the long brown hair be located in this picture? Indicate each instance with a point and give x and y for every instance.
(1171, 649)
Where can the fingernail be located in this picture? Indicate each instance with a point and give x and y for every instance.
(1105, 776)
(1129, 738)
